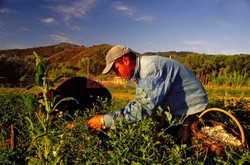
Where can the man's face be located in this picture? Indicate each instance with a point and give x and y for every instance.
(123, 68)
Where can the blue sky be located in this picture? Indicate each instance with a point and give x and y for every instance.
(204, 26)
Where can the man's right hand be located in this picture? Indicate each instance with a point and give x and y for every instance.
(96, 122)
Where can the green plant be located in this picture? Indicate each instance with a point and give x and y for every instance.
(13, 111)
(132, 143)
(12, 68)
(43, 144)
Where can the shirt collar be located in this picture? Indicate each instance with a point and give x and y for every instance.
(137, 68)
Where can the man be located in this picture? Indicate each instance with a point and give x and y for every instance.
(161, 83)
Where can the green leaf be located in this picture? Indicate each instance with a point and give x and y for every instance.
(29, 86)
(57, 78)
(31, 102)
(39, 80)
(41, 68)
(50, 83)
(24, 78)
(32, 160)
(37, 58)
(65, 99)
(56, 161)
(31, 123)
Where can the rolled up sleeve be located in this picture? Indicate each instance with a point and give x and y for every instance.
(149, 94)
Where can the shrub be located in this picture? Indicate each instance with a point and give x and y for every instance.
(13, 69)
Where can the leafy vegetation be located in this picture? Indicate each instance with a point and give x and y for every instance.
(128, 144)
(53, 142)
(232, 70)
(72, 60)
(12, 68)
(40, 140)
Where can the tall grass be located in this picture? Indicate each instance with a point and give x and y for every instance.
(232, 79)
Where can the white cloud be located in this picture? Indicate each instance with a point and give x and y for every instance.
(60, 38)
(131, 11)
(76, 28)
(7, 11)
(49, 21)
(124, 8)
(77, 9)
(145, 18)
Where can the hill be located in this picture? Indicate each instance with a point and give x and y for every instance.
(63, 59)
(61, 53)
(73, 60)
(74, 55)
(45, 51)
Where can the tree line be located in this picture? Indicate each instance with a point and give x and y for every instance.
(231, 70)
(220, 69)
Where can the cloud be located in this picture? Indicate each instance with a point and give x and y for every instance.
(7, 11)
(49, 21)
(145, 18)
(76, 28)
(131, 11)
(77, 9)
(60, 38)
(123, 8)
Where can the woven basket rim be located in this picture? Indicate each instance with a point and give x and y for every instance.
(197, 133)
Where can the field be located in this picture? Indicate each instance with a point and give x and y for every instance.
(29, 136)
(133, 143)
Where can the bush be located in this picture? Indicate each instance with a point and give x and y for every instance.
(13, 68)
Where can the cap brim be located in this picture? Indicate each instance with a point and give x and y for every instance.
(108, 68)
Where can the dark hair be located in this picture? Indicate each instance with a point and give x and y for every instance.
(131, 55)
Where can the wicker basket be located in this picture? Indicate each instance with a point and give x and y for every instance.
(208, 144)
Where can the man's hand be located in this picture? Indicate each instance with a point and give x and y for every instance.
(96, 122)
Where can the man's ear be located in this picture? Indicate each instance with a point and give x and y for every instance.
(126, 60)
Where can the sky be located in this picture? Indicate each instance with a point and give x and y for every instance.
(202, 26)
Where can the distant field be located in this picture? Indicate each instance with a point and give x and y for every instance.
(231, 95)
(129, 93)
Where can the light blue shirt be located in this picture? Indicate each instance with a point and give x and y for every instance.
(164, 83)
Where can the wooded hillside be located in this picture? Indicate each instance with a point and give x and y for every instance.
(73, 60)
